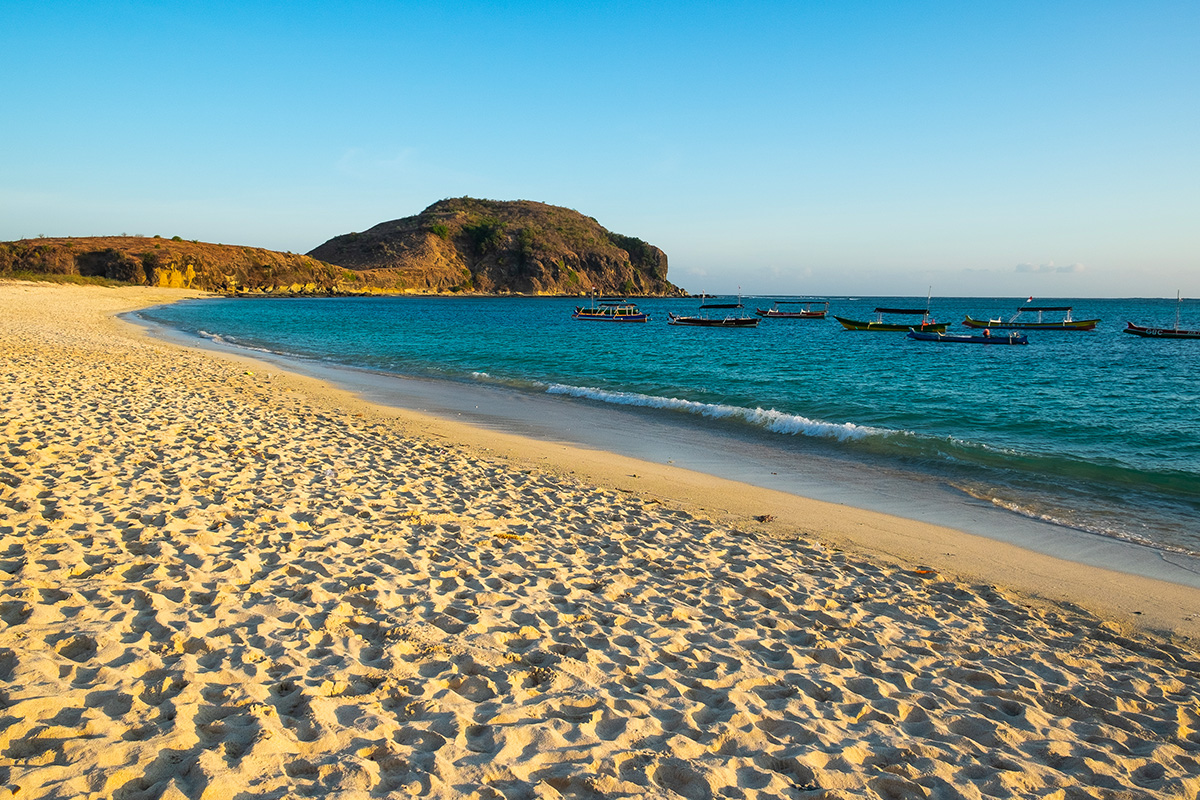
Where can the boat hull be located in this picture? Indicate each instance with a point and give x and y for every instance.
(1065, 325)
(1160, 333)
(714, 322)
(766, 312)
(890, 327)
(1011, 338)
(611, 317)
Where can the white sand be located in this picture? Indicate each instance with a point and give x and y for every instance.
(223, 582)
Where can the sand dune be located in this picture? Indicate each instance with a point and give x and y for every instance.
(219, 582)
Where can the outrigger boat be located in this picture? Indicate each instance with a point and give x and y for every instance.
(877, 324)
(611, 309)
(707, 319)
(958, 338)
(809, 309)
(1163, 333)
(1042, 324)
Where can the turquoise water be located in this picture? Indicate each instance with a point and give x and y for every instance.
(1098, 431)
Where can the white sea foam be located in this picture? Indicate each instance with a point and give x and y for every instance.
(768, 419)
(1042, 511)
(231, 342)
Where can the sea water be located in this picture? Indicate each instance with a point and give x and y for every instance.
(1093, 431)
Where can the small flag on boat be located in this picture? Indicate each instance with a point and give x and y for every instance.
(1030, 300)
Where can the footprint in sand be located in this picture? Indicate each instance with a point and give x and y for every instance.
(223, 725)
(13, 559)
(78, 648)
(15, 612)
(481, 739)
(53, 596)
(420, 740)
(293, 708)
(8, 664)
(114, 704)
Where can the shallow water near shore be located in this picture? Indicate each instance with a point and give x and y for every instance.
(1092, 432)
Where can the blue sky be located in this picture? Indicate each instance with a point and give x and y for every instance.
(1005, 148)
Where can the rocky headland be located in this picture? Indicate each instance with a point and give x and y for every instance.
(460, 245)
(470, 245)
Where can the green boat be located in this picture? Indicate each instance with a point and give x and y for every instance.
(1040, 324)
(878, 324)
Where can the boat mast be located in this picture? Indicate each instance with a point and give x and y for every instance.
(1178, 302)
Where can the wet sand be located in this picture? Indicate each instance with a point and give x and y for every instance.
(221, 580)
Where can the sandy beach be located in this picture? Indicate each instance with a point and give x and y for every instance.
(219, 580)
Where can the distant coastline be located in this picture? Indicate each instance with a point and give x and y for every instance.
(461, 246)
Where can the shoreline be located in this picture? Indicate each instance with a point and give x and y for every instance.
(633, 433)
(908, 541)
(920, 450)
(221, 578)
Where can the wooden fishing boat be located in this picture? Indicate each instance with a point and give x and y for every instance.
(1163, 333)
(958, 338)
(611, 309)
(809, 309)
(715, 315)
(1041, 324)
(878, 324)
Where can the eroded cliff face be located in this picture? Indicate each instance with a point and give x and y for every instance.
(469, 245)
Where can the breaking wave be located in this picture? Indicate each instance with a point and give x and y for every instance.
(767, 419)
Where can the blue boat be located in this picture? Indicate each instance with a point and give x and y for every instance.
(959, 338)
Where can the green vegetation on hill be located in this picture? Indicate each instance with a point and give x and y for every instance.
(468, 244)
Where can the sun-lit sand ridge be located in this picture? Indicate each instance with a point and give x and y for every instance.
(217, 582)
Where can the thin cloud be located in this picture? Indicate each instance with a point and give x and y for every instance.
(1043, 269)
(359, 163)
